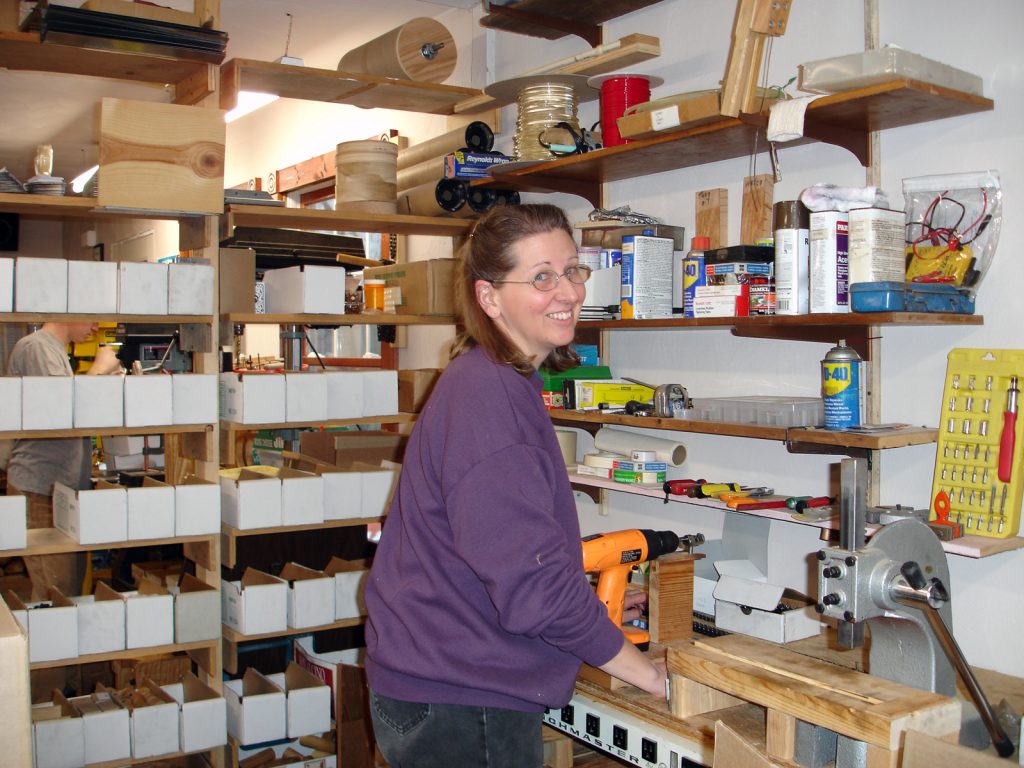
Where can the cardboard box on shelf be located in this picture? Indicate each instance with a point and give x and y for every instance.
(414, 387)
(252, 398)
(6, 284)
(196, 507)
(305, 290)
(98, 401)
(52, 633)
(310, 596)
(148, 616)
(150, 510)
(202, 714)
(154, 721)
(13, 522)
(344, 673)
(343, 493)
(125, 445)
(141, 288)
(418, 287)
(94, 516)
(58, 734)
(196, 610)
(40, 285)
(147, 401)
(302, 497)
(106, 727)
(47, 402)
(308, 701)
(349, 578)
(250, 499)
(189, 289)
(92, 287)
(305, 396)
(380, 393)
(344, 394)
(14, 709)
(674, 113)
(194, 398)
(101, 622)
(10, 396)
(256, 604)
(236, 273)
(257, 708)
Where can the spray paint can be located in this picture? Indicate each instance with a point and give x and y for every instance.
(843, 387)
(792, 257)
(693, 271)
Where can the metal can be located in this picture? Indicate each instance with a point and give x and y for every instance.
(842, 387)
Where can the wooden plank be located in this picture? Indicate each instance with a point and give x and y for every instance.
(923, 751)
(733, 751)
(306, 172)
(53, 541)
(756, 211)
(781, 734)
(689, 697)
(307, 219)
(127, 653)
(670, 598)
(713, 216)
(557, 748)
(755, 20)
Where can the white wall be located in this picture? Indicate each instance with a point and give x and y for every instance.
(694, 37)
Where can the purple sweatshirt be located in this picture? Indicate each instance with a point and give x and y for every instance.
(477, 594)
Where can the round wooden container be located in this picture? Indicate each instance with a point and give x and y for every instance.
(400, 53)
(365, 176)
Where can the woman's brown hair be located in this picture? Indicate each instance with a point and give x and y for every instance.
(488, 255)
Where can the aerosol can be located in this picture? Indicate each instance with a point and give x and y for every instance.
(843, 387)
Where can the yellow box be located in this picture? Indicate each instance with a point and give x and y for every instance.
(614, 392)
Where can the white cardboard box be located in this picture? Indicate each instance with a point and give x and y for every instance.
(6, 284)
(308, 701)
(98, 401)
(94, 516)
(380, 393)
(151, 510)
(101, 621)
(305, 396)
(202, 714)
(256, 604)
(343, 493)
(136, 461)
(92, 287)
(257, 709)
(52, 633)
(13, 522)
(252, 500)
(742, 586)
(40, 285)
(344, 394)
(252, 398)
(126, 445)
(196, 507)
(155, 726)
(141, 288)
(58, 742)
(106, 726)
(310, 596)
(47, 402)
(148, 616)
(194, 398)
(10, 403)
(302, 497)
(309, 289)
(147, 401)
(378, 484)
(189, 289)
(196, 610)
(349, 581)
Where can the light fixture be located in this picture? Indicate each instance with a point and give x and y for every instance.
(79, 182)
(248, 101)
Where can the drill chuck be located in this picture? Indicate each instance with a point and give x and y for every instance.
(660, 543)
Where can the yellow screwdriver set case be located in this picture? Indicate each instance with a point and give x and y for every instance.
(978, 459)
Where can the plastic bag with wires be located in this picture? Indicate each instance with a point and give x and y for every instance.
(952, 227)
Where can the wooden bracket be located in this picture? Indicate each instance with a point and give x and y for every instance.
(755, 20)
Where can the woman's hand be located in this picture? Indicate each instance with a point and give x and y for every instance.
(633, 605)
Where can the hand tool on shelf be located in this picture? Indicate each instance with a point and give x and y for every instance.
(944, 528)
(1007, 439)
(678, 487)
(800, 504)
(743, 505)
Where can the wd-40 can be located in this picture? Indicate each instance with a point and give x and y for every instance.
(842, 387)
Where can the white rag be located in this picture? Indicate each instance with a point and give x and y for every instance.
(831, 197)
(786, 118)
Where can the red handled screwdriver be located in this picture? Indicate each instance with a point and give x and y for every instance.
(1006, 440)
(680, 487)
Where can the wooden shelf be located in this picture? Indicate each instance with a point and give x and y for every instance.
(378, 318)
(229, 536)
(192, 80)
(967, 546)
(53, 541)
(306, 219)
(172, 759)
(844, 119)
(73, 207)
(167, 429)
(555, 19)
(231, 635)
(77, 317)
(355, 89)
(127, 653)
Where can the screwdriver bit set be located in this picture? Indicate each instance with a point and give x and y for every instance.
(978, 460)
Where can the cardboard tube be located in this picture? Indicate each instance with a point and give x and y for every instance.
(421, 49)
(625, 442)
(476, 136)
(431, 170)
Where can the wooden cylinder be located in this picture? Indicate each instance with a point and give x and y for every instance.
(365, 176)
(446, 197)
(431, 170)
(476, 136)
(421, 49)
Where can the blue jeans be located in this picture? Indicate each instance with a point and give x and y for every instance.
(412, 735)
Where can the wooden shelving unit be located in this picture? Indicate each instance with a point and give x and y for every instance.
(844, 119)
(553, 19)
(308, 219)
(176, 429)
(368, 318)
(53, 541)
(229, 536)
(130, 653)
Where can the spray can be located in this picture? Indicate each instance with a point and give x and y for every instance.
(792, 257)
(842, 387)
(693, 271)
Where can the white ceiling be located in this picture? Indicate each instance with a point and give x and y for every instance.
(60, 110)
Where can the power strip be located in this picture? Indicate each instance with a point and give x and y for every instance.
(622, 735)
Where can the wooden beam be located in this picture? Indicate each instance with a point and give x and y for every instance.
(755, 20)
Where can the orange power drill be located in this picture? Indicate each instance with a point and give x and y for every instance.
(614, 555)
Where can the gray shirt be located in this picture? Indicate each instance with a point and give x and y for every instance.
(35, 465)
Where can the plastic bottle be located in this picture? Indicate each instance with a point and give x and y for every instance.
(693, 271)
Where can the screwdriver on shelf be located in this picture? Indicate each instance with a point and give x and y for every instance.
(679, 487)
(1006, 440)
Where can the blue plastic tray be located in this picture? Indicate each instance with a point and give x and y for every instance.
(892, 296)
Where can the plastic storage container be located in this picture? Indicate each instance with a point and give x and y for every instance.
(878, 66)
(894, 296)
(761, 410)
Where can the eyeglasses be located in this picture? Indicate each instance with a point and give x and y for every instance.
(547, 280)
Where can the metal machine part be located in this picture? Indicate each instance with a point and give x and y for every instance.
(670, 398)
(897, 582)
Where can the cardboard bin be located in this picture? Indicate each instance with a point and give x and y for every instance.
(305, 396)
(154, 723)
(194, 398)
(746, 603)
(101, 621)
(257, 709)
(256, 604)
(417, 287)
(58, 735)
(196, 610)
(96, 516)
(257, 398)
(150, 510)
(380, 393)
(92, 287)
(47, 402)
(148, 616)
(40, 284)
(349, 581)
(52, 633)
(106, 726)
(307, 700)
(98, 401)
(302, 497)
(202, 714)
(310, 596)
(344, 394)
(189, 289)
(10, 403)
(196, 507)
(250, 499)
(305, 290)
(13, 522)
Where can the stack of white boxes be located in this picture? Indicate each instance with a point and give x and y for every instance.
(265, 708)
(307, 397)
